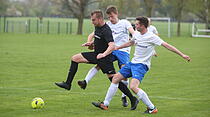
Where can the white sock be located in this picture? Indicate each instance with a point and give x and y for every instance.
(91, 73)
(126, 82)
(110, 93)
(145, 99)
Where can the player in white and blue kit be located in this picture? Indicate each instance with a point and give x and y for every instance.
(152, 28)
(120, 31)
(145, 43)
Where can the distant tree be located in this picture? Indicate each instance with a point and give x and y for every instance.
(78, 8)
(149, 5)
(33, 7)
(201, 8)
(177, 7)
(4, 4)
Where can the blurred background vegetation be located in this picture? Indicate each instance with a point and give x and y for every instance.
(178, 10)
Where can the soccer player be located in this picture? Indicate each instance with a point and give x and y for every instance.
(120, 31)
(152, 28)
(144, 42)
(103, 46)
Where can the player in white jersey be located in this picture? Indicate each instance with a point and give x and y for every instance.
(152, 29)
(120, 31)
(145, 43)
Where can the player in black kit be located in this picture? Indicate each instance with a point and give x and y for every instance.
(103, 46)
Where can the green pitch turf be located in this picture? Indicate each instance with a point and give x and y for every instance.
(30, 64)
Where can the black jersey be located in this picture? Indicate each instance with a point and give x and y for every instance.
(103, 35)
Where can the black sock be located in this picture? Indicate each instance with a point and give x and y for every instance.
(72, 72)
(124, 89)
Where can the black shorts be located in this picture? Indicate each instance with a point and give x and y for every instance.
(105, 64)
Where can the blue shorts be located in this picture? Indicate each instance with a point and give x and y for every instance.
(134, 70)
(121, 56)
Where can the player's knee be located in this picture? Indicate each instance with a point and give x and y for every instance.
(133, 88)
(74, 58)
(116, 79)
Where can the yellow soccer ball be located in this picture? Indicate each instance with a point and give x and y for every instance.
(37, 103)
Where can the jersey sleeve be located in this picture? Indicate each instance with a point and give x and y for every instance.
(155, 31)
(127, 24)
(157, 40)
(108, 35)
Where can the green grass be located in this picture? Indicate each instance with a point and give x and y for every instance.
(31, 63)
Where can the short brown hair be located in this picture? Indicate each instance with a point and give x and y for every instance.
(143, 20)
(99, 14)
(111, 9)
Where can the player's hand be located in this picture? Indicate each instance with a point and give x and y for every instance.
(116, 48)
(91, 47)
(101, 55)
(87, 44)
(186, 58)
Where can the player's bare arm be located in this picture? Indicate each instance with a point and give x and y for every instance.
(128, 44)
(175, 50)
(131, 30)
(90, 41)
(90, 37)
(108, 50)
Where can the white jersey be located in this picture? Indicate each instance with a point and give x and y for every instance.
(144, 47)
(152, 29)
(120, 33)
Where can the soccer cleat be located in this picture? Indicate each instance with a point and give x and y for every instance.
(124, 102)
(100, 105)
(82, 84)
(134, 103)
(63, 85)
(151, 111)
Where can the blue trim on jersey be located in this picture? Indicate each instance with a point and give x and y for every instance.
(121, 56)
(134, 70)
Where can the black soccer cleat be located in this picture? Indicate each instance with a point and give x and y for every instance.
(134, 103)
(100, 105)
(63, 85)
(124, 102)
(82, 84)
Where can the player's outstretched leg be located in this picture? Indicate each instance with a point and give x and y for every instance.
(72, 71)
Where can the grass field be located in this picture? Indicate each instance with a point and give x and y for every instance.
(31, 63)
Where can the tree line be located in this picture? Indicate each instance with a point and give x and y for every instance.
(178, 10)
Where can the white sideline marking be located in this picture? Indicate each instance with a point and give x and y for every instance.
(92, 93)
